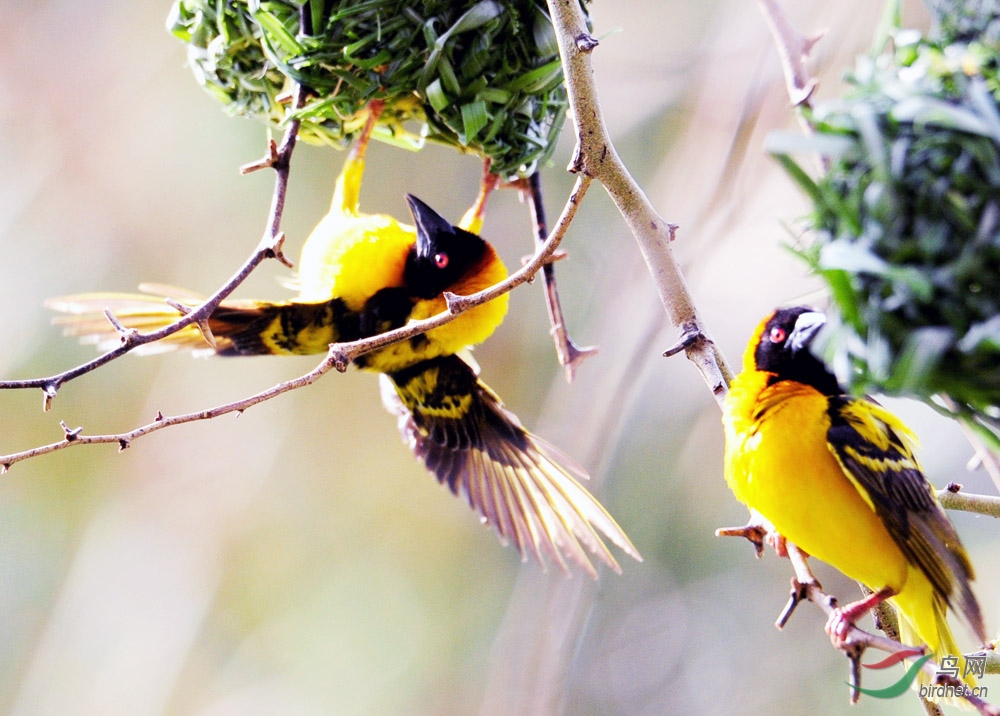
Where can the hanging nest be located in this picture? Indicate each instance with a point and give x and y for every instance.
(906, 220)
(483, 77)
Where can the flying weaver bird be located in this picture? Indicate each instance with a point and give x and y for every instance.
(364, 274)
(836, 475)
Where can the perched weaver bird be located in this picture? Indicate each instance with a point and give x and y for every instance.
(364, 274)
(836, 475)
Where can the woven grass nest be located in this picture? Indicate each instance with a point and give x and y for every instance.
(905, 223)
(482, 76)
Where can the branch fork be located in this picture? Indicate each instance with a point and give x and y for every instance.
(852, 641)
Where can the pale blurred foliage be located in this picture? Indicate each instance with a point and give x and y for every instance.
(296, 560)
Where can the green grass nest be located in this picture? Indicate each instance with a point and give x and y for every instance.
(906, 222)
(481, 76)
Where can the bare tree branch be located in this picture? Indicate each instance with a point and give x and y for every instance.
(338, 356)
(952, 498)
(269, 247)
(596, 157)
(805, 587)
(793, 50)
(570, 355)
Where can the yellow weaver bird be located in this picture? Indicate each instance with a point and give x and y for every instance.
(836, 475)
(364, 274)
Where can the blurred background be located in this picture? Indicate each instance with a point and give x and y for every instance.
(296, 560)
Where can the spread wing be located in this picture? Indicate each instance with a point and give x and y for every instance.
(524, 487)
(875, 450)
(243, 327)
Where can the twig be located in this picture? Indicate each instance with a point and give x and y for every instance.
(124, 440)
(983, 456)
(339, 355)
(952, 498)
(596, 157)
(269, 247)
(570, 355)
(805, 587)
(793, 50)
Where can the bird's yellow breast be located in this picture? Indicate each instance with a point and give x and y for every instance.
(778, 462)
(353, 257)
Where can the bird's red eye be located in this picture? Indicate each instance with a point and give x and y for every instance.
(777, 335)
(441, 260)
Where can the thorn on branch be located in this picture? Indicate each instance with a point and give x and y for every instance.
(339, 360)
(177, 305)
(274, 251)
(269, 160)
(798, 593)
(690, 334)
(454, 302)
(585, 42)
(203, 326)
(159, 417)
(123, 444)
(4, 468)
(576, 164)
(48, 395)
(573, 356)
(70, 434)
(205, 329)
(853, 652)
(127, 335)
(754, 534)
(557, 255)
(794, 50)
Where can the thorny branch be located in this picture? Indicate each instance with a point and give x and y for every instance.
(805, 587)
(338, 356)
(279, 158)
(596, 157)
(952, 498)
(570, 355)
(793, 49)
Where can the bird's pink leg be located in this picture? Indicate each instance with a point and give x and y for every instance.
(843, 618)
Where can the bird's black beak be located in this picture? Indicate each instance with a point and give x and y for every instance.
(429, 224)
(807, 325)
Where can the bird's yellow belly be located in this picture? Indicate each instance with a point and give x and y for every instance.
(786, 471)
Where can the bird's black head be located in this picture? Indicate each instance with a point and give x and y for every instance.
(783, 349)
(442, 255)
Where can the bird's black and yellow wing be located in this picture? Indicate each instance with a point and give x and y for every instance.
(520, 484)
(245, 327)
(876, 452)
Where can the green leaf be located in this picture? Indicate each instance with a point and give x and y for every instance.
(436, 96)
(923, 111)
(474, 118)
(920, 356)
(799, 176)
(981, 335)
(276, 32)
(852, 257)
